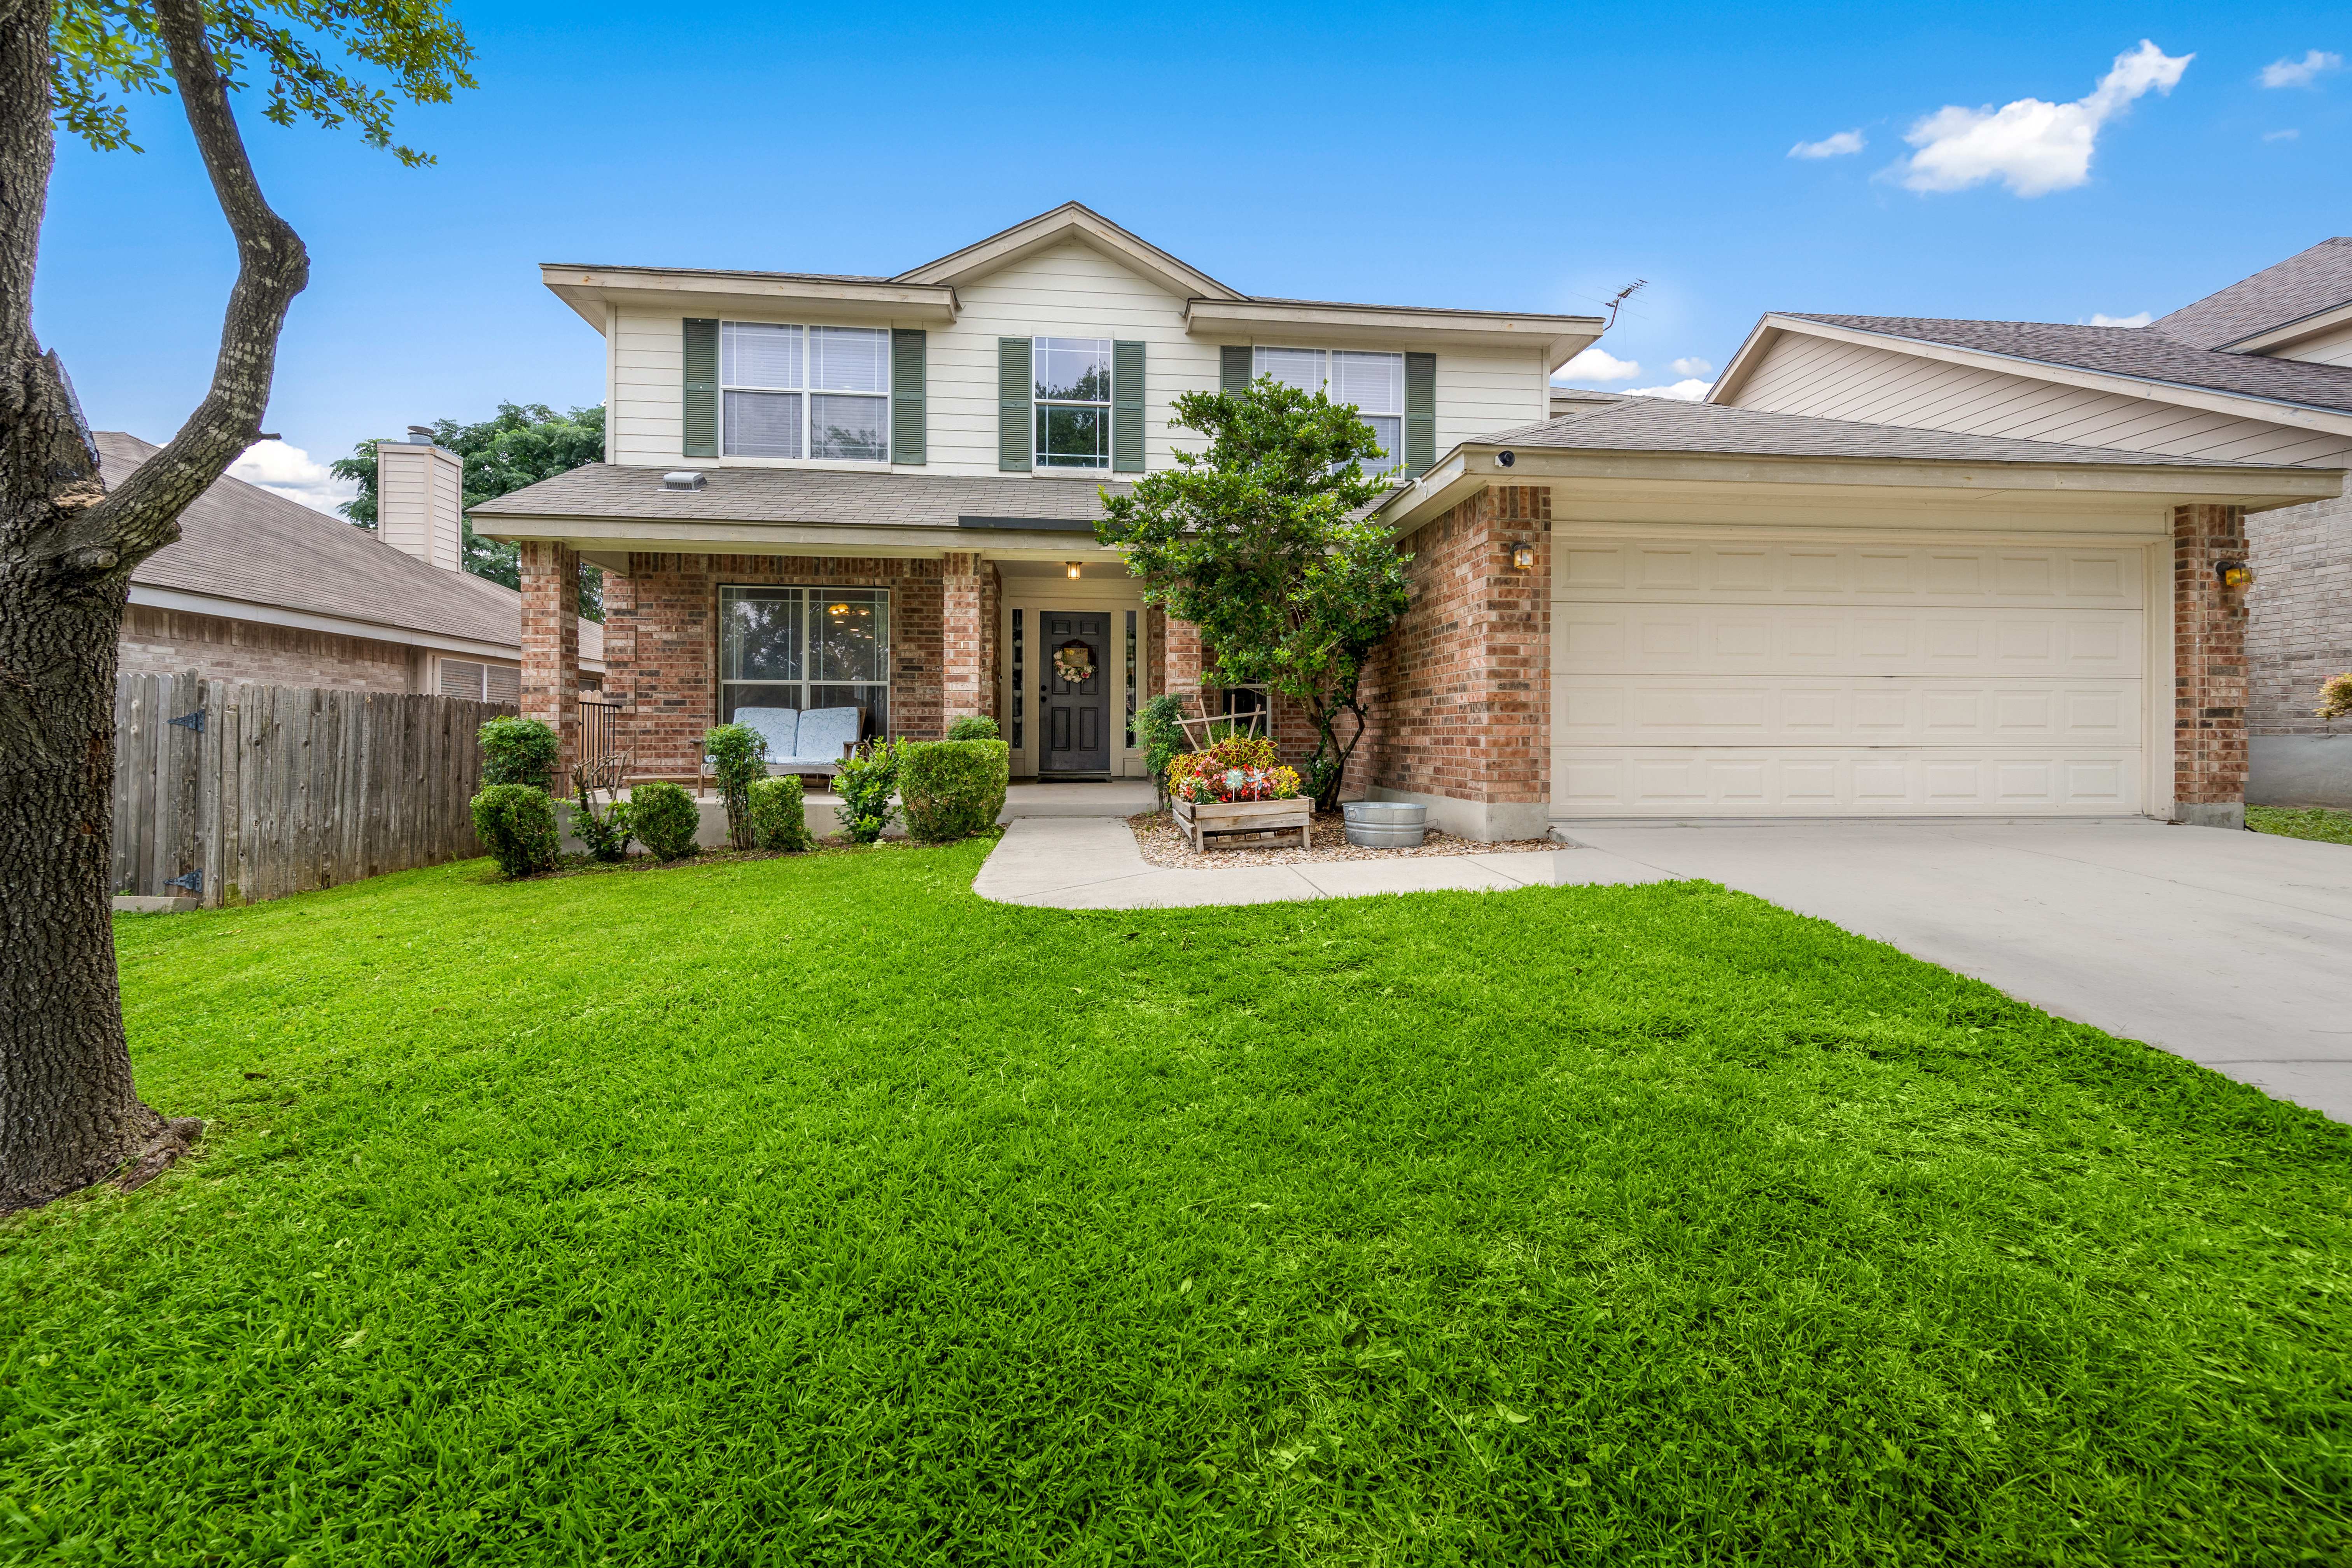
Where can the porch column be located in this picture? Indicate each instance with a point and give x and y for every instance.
(2208, 668)
(550, 645)
(964, 643)
(1185, 658)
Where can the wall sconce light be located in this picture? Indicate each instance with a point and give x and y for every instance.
(1523, 558)
(1070, 569)
(2234, 573)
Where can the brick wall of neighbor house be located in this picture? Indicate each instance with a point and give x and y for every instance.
(661, 641)
(1461, 691)
(2209, 651)
(2298, 613)
(167, 642)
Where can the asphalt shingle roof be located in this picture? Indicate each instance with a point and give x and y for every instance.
(2141, 351)
(240, 542)
(797, 494)
(1668, 425)
(2307, 282)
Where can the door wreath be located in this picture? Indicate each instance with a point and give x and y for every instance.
(1074, 662)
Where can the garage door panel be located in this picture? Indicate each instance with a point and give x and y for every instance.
(1700, 711)
(2074, 577)
(1636, 781)
(1795, 640)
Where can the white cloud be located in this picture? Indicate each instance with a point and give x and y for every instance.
(289, 472)
(1599, 364)
(2281, 135)
(1691, 367)
(2298, 73)
(2137, 319)
(1836, 146)
(1692, 390)
(2031, 146)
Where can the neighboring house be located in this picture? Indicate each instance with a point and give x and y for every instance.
(263, 589)
(2260, 372)
(829, 491)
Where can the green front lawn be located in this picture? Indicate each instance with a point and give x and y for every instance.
(812, 1211)
(2302, 822)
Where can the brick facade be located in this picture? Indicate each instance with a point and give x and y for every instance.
(169, 642)
(1460, 694)
(2298, 613)
(550, 642)
(2209, 658)
(972, 596)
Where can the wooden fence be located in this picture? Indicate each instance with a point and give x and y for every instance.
(233, 793)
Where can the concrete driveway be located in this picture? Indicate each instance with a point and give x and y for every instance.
(2231, 949)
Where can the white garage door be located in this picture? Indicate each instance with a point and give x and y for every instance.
(1730, 680)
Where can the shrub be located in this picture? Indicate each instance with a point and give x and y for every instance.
(952, 789)
(606, 833)
(738, 756)
(518, 752)
(779, 820)
(972, 727)
(517, 821)
(2336, 699)
(868, 777)
(665, 818)
(1159, 725)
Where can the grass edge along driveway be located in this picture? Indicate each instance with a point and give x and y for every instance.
(814, 1211)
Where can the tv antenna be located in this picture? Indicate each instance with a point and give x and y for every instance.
(1620, 297)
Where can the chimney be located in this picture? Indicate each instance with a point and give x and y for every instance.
(420, 498)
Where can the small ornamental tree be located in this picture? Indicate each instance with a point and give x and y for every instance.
(1254, 542)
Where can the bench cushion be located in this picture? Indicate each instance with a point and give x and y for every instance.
(824, 731)
(780, 727)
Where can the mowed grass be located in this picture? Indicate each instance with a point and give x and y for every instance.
(2317, 822)
(812, 1211)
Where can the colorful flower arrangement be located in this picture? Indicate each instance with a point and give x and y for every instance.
(1239, 767)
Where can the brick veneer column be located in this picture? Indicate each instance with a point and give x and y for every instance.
(2208, 666)
(963, 679)
(1185, 658)
(550, 644)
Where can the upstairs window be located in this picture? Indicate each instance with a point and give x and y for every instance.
(804, 392)
(1374, 383)
(1073, 403)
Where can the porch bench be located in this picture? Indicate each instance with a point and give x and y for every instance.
(812, 741)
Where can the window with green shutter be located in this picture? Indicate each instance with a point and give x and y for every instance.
(1233, 367)
(1420, 412)
(1127, 408)
(701, 405)
(1013, 404)
(910, 346)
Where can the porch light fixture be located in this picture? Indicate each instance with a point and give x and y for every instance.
(1523, 558)
(1070, 569)
(2234, 573)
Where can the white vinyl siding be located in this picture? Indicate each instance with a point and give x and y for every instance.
(1800, 374)
(2331, 347)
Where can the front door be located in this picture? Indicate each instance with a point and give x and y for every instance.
(1074, 697)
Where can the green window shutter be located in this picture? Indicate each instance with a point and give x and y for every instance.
(701, 389)
(1420, 412)
(1016, 438)
(910, 347)
(1233, 367)
(1127, 408)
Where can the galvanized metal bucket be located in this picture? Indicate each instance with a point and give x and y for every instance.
(1386, 824)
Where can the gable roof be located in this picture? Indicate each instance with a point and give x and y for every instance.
(248, 545)
(2140, 352)
(1071, 220)
(2304, 284)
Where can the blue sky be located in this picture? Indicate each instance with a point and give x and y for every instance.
(1531, 157)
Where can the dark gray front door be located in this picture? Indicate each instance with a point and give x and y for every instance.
(1075, 731)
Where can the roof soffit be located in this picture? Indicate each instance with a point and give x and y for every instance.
(1561, 338)
(1070, 221)
(589, 290)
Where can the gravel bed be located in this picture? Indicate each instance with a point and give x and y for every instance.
(1163, 843)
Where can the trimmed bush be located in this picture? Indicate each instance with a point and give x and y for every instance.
(518, 822)
(738, 756)
(665, 818)
(779, 819)
(952, 789)
(866, 781)
(518, 752)
(972, 727)
(605, 833)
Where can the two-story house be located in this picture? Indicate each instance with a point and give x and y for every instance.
(827, 492)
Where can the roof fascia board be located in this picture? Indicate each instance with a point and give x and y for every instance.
(2287, 333)
(588, 291)
(303, 620)
(1760, 338)
(2242, 404)
(1560, 337)
(1070, 220)
(901, 541)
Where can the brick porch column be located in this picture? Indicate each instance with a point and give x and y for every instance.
(550, 645)
(963, 639)
(1183, 659)
(2208, 668)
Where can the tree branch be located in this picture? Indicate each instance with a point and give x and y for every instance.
(142, 515)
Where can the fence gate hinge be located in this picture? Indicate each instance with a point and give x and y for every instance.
(195, 881)
(194, 720)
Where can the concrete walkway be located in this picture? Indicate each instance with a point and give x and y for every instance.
(2231, 949)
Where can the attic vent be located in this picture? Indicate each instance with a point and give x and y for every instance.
(682, 480)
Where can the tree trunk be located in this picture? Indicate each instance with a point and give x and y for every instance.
(70, 1114)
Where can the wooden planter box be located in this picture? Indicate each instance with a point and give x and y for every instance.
(1221, 819)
